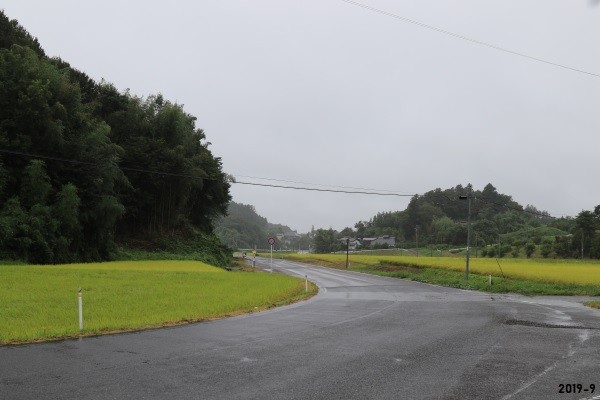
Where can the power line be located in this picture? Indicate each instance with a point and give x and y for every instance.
(72, 161)
(468, 39)
(316, 184)
(375, 192)
(324, 190)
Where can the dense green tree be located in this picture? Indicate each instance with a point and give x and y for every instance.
(15, 238)
(346, 232)
(515, 251)
(445, 230)
(158, 135)
(35, 186)
(584, 232)
(82, 162)
(529, 249)
(325, 241)
(11, 32)
(546, 248)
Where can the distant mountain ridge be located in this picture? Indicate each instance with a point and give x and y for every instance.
(243, 228)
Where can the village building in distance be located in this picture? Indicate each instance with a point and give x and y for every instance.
(382, 242)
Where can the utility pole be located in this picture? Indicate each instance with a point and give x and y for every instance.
(499, 255)
(417, 239)
(468, 197)
(347, 250)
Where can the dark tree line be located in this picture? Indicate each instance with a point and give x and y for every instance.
(439, 217)
(584, 240)
(77, 160)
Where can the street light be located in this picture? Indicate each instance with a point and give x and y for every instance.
(468, 197)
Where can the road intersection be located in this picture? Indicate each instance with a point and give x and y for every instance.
(361, 337)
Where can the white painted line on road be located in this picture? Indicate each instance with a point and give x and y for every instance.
(531, 381)
(582, 337)
(590, 398)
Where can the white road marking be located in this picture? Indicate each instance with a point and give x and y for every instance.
(583, 336)
(591, 398)
(531, 381)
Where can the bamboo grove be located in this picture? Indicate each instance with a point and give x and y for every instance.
(84, 166)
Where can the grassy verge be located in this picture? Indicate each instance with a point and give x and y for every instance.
(593, 304)
(195, 246)
(40, 302)
(529, 277)
(478, 282)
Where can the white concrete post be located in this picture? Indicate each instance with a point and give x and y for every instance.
(80, 306)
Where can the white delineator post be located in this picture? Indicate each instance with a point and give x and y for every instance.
(271, 242)
(306, 283)
(80, 305)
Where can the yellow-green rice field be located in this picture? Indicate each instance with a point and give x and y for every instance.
(40, 302)
(541, 270)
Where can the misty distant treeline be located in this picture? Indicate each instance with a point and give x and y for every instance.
(243, 228)
(439, 217)
(79, 162)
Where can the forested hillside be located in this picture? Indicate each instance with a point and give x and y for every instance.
(243, 228)
(439, 217)
(84, 166)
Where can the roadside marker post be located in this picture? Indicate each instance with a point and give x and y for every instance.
(305, 283)
(80, 307)
(271, 242)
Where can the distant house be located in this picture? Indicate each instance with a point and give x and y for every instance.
(287, 237)
(388, 240)
(367, 241)
(353, 243)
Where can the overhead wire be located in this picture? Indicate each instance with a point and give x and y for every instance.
(315, 184)
(326, 190)
(73, 161)
(374, 192)
(468, 39)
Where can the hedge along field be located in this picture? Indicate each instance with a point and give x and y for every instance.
(547, 271)
(40, 302)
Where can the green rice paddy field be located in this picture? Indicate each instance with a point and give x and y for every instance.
(40, 302)
(526, 276)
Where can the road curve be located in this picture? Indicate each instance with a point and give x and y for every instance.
(362, 337)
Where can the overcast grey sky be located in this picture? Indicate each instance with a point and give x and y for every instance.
(329, 93)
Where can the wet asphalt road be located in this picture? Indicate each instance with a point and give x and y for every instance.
(362, 337)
